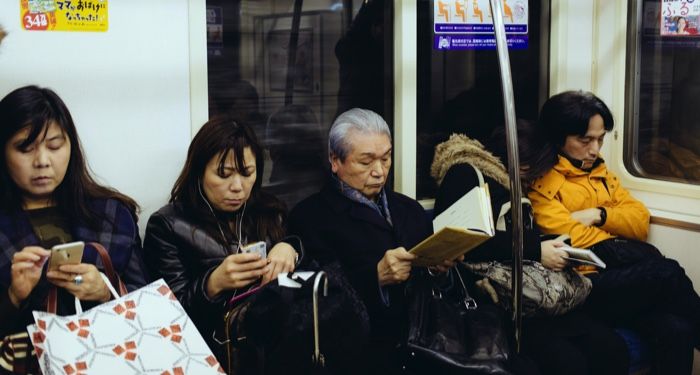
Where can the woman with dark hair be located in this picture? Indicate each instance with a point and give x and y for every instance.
(681, 25)
(217, 208)
(574, 193)
(47, 197)
(573, 342)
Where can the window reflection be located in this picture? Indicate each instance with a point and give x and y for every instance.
(666, 131)
(288, 67)
(461, 89)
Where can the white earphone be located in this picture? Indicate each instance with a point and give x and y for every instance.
(240, 219)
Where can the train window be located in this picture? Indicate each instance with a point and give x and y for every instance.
(662, 140)
(289, 67)
(462, 85)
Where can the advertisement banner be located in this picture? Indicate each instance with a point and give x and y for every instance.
(680, 17)
(468, 24)
(64, 15)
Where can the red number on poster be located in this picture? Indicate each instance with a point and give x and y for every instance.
(35, 21)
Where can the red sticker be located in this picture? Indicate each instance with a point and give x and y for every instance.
(35, 21)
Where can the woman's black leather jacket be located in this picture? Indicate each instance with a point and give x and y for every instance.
(184, 255)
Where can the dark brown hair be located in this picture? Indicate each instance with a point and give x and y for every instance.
(565, 114)
(35, 108)
(217, 138)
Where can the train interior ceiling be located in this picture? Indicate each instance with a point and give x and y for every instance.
(140, 88)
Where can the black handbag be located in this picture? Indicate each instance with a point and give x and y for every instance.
(449, 333)
(286, 330)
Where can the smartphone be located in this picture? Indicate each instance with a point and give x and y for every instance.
(67, 253)
(257, 247)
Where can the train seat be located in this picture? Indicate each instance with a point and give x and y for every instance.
(638, 350)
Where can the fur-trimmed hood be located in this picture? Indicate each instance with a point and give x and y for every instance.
(461, 149)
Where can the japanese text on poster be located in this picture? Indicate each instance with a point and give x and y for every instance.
(64, 15)
(680, 17)
(468, 24)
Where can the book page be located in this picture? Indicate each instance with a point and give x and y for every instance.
(447, 244)
(487, 210)
(583, 256)
(472, 211)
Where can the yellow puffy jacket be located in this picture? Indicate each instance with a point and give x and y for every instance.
(566, 189)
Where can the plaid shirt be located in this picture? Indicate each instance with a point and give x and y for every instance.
(118, 233)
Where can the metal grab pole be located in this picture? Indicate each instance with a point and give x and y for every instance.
(513, 166)
(292, 53)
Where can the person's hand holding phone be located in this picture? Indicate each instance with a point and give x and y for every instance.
(91, 286)
(26, 272)
(236, 271)
(82, 280)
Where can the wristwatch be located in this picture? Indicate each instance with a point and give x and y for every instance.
(603, 216)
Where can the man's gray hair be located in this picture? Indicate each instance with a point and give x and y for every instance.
(358, 120)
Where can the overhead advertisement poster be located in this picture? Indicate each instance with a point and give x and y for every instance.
(680, 17)
(468, 24)
(64, 15)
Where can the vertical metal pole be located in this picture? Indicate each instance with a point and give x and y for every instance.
(347, 14)
(513, 166)
(292, 53)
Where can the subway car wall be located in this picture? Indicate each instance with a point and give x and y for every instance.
(128, 89)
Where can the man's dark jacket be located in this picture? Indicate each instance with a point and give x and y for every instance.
(334, 228)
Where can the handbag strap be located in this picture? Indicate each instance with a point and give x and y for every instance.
(109, 268)
(318, 359)
(469, 302)
(79, 307)
(479, 175)
(113, 278)
(505, 208)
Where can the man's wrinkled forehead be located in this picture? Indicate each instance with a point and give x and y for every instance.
(361, 143)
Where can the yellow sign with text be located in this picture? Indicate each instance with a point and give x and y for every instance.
(64, 15)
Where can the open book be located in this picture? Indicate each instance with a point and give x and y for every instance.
(463, 226)
(584, 256)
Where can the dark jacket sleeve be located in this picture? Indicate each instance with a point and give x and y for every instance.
(295, 242)
(313, 246)
(164, 257)
(459, 180)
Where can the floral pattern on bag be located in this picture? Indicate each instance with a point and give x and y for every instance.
(140, 332)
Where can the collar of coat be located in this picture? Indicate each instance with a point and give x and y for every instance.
(550, 183)
(460, 149)
(341, 204)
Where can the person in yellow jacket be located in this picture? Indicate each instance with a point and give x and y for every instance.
(572, 192)
(588, 204)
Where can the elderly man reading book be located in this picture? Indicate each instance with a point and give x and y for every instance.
(357, 221)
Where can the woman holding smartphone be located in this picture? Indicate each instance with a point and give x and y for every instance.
(216, 210)
(47, 198)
